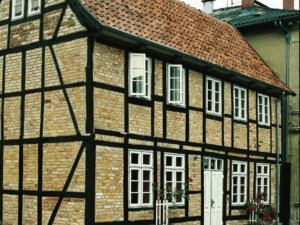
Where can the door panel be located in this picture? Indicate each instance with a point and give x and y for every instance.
(213, 196)
(207, 197)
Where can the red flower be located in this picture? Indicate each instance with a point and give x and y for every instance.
(168, 184)
(153, 184)
(190, 179)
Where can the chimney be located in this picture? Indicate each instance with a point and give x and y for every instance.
(288, 4)
(208, 6)
(247, 4)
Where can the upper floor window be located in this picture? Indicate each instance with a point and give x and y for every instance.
(213, 96)
(34, 7)
(239, 103)
(239, 183)
(139, 75)
(140, 178)
(175, 84)
(263, 180)
(263, 102)
(174, 177)
(17, 9)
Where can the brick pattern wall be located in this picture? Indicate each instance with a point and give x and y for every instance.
(139, 120)
(158, 78)
(109, 184)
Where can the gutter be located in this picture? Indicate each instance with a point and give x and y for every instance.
(277, 156)
(287, 69)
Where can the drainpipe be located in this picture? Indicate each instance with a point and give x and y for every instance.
(288, 40)
(277, 155)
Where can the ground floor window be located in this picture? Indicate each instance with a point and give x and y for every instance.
(263, 180)
(239, 183)
(140, 178)
(174, 177)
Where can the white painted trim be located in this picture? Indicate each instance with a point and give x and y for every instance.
(213, 99)
(263, 112)
(13, 10)
(263, 175)
(30, 13)
(239, 174)
(240, 89)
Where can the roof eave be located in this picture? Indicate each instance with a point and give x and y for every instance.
(89, 20)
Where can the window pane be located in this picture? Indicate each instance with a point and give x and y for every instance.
(265, 169)
(217, 86)
(175, 71)
(179, 176)
(266, 191)
(209, 106)
(242, 180)
(242, 94)
(35, 5)
(260, 100)
(242, 198)
(212, 164)
(236, 112)
(236, 102)
(146, 186)
(234, 189)
(234, 198)
(134, 198)
(235, 167)
(146, 175)
(209, 84)
(242, 189)
(235, 180)
(169, 176)
(18, 10)
(266, 181)
(134, 158)
(259, 181)
(206, 162)
(169, 161)
(134, 174)
(236, 92)
(217, 95)
(134, 186)
(18, 2)
(178, 162)
(243, 168)
(146, 159)
(209, 95)
(259, 169)
(219, 164)
(217, 107)
(146, 198)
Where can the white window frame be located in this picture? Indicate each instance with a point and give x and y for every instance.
(239, 100)
(213, 96)
(31, 13)
(146, 75)
(239, 174)
(182, 88)
(14, 8)
(263, 175)
(173, 169)
(263, 109)
(141, 168)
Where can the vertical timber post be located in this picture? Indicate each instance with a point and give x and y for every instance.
(90, 146)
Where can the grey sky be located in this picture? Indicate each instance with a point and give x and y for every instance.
(223, 3)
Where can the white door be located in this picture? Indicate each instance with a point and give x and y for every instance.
(213, 191)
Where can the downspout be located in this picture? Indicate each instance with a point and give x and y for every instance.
(277, 155)
(288, 40)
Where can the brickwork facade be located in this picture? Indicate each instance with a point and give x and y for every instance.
(68, 124)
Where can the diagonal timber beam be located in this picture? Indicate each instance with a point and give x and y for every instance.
(64, 90)
(69, 179)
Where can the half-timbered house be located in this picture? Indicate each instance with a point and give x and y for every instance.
(102, 98)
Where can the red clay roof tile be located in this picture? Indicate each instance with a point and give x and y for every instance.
(176, 25)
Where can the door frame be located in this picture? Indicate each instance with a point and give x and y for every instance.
(212, 164)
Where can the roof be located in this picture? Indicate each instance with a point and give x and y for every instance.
(256, 15)
(177, 26)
